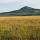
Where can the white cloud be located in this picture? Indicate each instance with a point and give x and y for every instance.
(10, 1)
(7, 1)
(16, 2)
(35, 3)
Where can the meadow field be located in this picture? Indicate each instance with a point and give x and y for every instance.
(20, 28)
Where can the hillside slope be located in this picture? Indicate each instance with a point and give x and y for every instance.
(24, 11)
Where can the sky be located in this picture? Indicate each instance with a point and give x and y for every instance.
(9, 5)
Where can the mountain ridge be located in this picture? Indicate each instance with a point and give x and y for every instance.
(24, 11)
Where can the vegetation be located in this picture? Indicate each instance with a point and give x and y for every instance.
(20, 28)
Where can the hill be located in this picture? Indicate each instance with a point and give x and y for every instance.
(24, 11)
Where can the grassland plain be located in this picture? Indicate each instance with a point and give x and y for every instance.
(19, 27)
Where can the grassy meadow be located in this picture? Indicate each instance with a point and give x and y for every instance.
(20, 28)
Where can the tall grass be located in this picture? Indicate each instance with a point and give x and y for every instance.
(20, 29)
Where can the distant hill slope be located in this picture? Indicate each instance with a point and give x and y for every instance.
(24, 11)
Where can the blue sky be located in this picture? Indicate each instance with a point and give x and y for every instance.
(9, 5)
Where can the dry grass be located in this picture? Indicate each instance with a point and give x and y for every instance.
(21, 27)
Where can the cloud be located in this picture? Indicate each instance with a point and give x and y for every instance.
(15, 2)
(10, 1)
(35, 3)
(7, 1)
